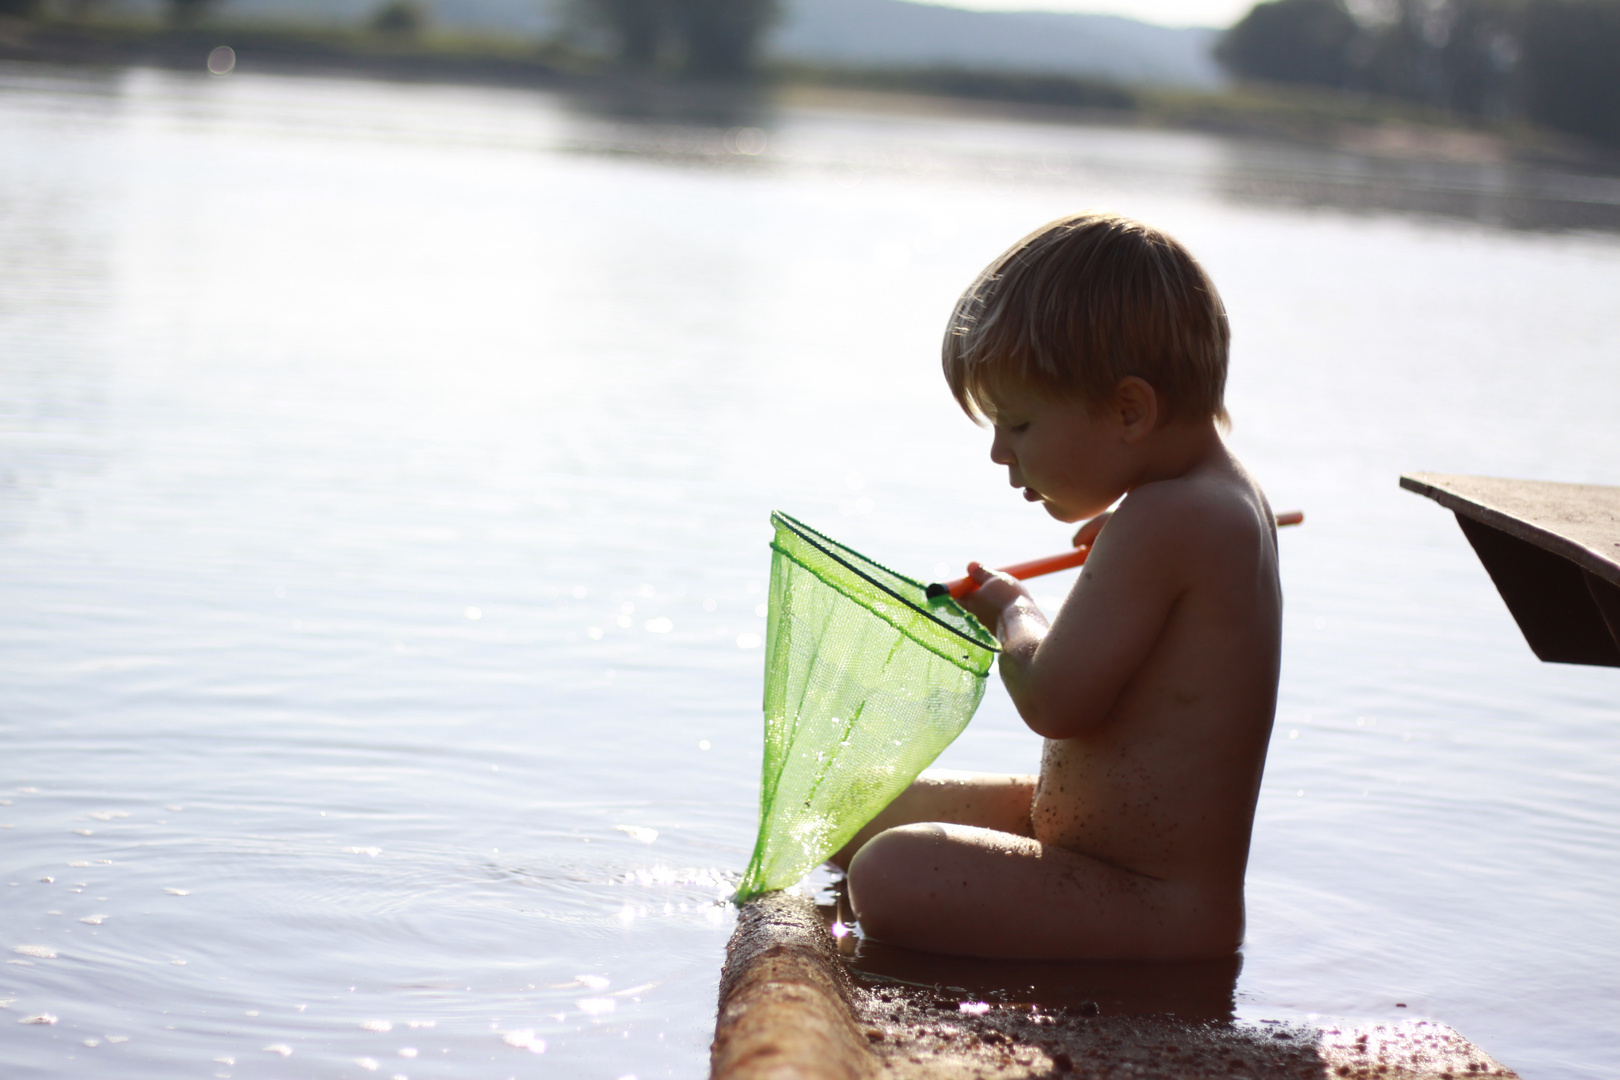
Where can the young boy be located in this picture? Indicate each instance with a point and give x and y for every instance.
(1096, 347)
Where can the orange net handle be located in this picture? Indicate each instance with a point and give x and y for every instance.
(1051, 564)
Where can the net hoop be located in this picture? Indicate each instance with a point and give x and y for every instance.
(835, 551)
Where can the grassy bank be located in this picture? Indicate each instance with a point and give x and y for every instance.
(277, 47)
(1290, 113)
(1367, 125)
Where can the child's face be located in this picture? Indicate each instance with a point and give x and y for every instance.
(1066, 455)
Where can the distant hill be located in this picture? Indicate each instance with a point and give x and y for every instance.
(897, 33)
(859, 33)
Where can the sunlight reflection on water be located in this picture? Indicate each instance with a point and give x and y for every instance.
(383, 505)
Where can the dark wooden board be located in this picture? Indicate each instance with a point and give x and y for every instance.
(1553, 552)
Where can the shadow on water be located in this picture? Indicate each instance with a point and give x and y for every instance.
(1199, 991)
(709, 126)
(1503, 195)
(662, 103)
(49, 81)
(997, 1018)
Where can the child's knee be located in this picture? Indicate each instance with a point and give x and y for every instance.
(889, 866)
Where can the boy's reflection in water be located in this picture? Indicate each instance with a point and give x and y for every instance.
(1194, 991)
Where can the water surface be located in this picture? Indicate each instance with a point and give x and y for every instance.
(384, 484)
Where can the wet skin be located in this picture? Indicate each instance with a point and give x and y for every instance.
(1154, 687)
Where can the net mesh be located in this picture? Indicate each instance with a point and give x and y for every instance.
(866, 682)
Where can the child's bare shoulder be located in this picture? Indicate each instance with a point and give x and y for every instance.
(1201, 520)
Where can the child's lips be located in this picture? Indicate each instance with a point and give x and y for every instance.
(1031, 495)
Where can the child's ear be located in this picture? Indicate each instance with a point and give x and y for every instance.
(1136, 407)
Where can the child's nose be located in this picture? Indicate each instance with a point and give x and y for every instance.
(1000, 452)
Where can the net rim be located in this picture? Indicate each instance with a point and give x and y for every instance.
(831, 548)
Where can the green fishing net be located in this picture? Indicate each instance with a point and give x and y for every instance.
(866, 681)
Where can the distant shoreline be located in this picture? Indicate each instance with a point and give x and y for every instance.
(1292, 114)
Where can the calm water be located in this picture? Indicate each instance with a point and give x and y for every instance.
(384, 475)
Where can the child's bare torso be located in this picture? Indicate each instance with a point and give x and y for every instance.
(1165, 784)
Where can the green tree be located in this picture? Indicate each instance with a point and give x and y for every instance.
(1458, 55)
(1482, 58)
(722, 37)
(1556, 62)
(639, 29)
(1571, 66)
(187, 12)
(399, 19)
(704, 38)
(1293, 41)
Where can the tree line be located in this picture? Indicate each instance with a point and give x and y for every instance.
(1552, 62)
(701, 38)
(180, 11)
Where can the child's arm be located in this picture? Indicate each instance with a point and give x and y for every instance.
(1064, 677)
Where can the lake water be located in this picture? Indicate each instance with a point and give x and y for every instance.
(384, 483)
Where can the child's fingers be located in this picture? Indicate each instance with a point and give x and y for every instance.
(983, 578)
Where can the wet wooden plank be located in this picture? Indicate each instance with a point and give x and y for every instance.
(1552, 550)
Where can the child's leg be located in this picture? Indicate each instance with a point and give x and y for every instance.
(977, 892)
(989, 800)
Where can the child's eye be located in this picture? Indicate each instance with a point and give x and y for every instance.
(1018, 429)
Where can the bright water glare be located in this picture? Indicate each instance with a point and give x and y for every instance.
(384, 482)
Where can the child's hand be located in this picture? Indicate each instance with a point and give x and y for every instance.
(1088, 532)
(997, 595)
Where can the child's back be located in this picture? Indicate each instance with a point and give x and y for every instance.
(1155, 684)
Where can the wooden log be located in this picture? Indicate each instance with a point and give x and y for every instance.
(786, 1002)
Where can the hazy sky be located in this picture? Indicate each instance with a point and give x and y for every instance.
(1167, 12)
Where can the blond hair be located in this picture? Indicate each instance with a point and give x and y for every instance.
(1083, 302)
